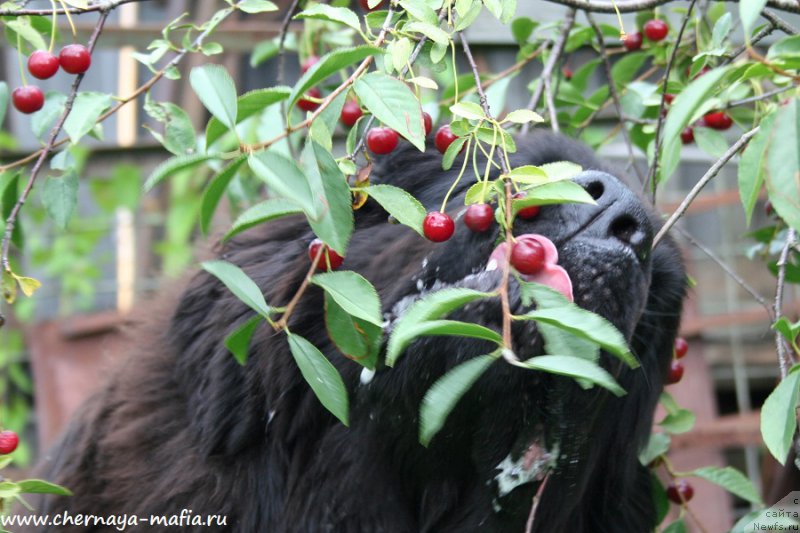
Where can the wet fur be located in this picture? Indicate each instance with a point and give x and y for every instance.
(181, 425)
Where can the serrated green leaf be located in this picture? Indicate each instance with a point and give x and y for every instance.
(248, 104)
(356, 339)
(216, 90)
(529, 174)
(558, 192)
(431, 307)
(752, 165)
(334, 222)
(400, 204)
(342, 15)
(353, 293)
(173, 165)
(574, 367)
(657, 445)
(678, 421)
(431, 31)
(454, 328)
(260, 213)
(778, 416)
(86, 109)
(240, 284)
(587, 325)
(523, 116)
(783, 164)
(561, 170)
(711, 141)
(443, 396)
(179, 135)
(238, 342)
(394, 104)
(468, 110)
(60, 196)
(284, 177)
(454, 150)
(321, 376)
(749, 11)
(213, 193)
(731, 480)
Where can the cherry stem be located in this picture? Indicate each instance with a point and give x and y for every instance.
(283, 323)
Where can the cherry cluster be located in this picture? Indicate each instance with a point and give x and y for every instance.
(676, 367)
(42, 64)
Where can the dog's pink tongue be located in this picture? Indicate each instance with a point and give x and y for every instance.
(551, 275)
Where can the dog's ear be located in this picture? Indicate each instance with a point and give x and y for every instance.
(224, 406)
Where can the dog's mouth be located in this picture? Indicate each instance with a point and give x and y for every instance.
(551, 274)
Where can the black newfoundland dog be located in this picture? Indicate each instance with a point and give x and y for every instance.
(181, 427)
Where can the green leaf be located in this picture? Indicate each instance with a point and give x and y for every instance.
(9, 193)
(681, 112)
(523, 116)
(342, 15)
(420, 10)
(452, 152)
(329, 64)
(214, 192)
(238, 342)
(678, 526)
(778, 416)
(443, 396)
(216, 90)
(260, 213)
(256, 6)
(456, 329)
(561, 170)
(731, 480)
(721, 30)
(558, 192)
(248, 105)
(60, 196)
(174, 165)
(394, 104)
(431, 31)
(3, 101)
(38, 486)
(783, 164)
(752, 165)
(789, 331)
(431, 307)
(560, 342)
(179, 135)
(356, 339)
(522, 28)
(401, 205)
(678, 421)
(283, 177)
(334, 225)
(23, 27)
(353, 293)
(321, 376)
(657, 445)
(86, 109)
(468, 110)
(574, 367)
(529, 174)
(711, 141)
(587, 325)
(749, 11)
(240, 284)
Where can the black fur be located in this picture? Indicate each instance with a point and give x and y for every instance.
(182, 425)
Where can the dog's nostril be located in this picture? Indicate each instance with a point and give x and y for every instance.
(628, 230)
(595, 189)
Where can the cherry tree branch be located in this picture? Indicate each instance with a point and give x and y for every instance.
(752, 99)
(785, 359)
(547, 72)
(708, 176)
(106, 5)
(48, 147)
(631, 6)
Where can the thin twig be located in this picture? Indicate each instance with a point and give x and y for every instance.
(535, 504)
(282, 60)
(758, 98)
(12, 217)
(729, 271)
(612, 88)
(767, 30)
(785, 360)
(651, 176)
(784, 26)
(95, 7)
(552, 61)
(631, 6)
(708, 176)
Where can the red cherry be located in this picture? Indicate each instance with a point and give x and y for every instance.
(680, 491)
(444, 138)
(675, 372)
(351, 112)
(656, 30)
(308, 63)
(308, 105)
(328, 256)
(668, 98)
(479, 217)
(382, 141)
(718, 120)
(428, 121)
(687, 135)
(526, 213)
(438, 226)
(681, 347)
(633, 41)
(28, 99)
(75, 58)
(567, 72)
(365, 5)
(527, 256)
(8, 441)
(42, 64)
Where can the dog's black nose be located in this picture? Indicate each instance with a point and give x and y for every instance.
(619, 214)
